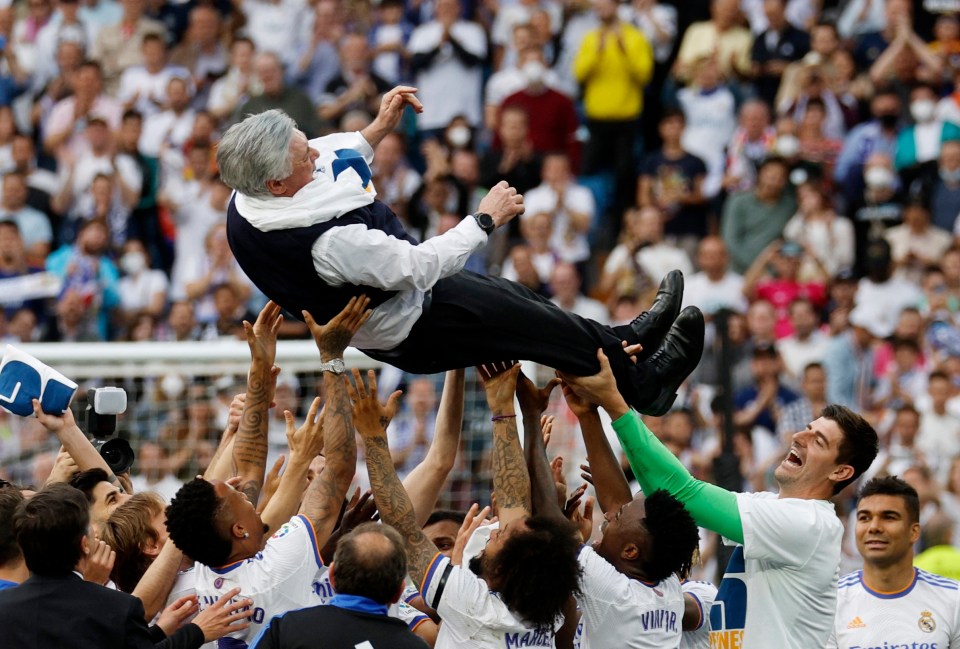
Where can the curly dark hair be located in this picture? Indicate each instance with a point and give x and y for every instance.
(540, 559)
(674, 537)
(859, 446)
(192, 523)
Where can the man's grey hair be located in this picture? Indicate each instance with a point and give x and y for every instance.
(255, 151)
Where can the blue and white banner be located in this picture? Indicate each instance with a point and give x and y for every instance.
(23, 378)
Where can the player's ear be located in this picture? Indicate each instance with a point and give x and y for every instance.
(330, 577)
(914, 532)
(842, 472)
(276, 187)
(630, 552)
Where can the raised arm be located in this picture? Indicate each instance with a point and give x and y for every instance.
(323, 500)
(396, 509)
(424, 483)
(342, 255)
(654, 465)
(543, 489)
(75, 442)
(221, 466)
(511, 481)
(250, 443)
(611, 484)
(304, 444)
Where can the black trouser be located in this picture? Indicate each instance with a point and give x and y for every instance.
(474, 319)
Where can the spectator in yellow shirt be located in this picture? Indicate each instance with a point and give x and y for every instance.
(614, 63)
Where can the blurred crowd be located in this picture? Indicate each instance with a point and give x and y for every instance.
(799, 160)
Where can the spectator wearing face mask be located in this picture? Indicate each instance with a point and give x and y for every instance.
(142, 289)
(556, 124)
(878, 135)
(921, 142)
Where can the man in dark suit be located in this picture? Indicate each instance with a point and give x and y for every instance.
(55, 607)
(367, 572)
(305, 226)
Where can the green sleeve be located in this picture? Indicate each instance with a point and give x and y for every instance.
(656, 468)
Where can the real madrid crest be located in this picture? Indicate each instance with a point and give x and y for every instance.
(927, 623)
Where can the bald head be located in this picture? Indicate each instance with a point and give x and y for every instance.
(370, 562)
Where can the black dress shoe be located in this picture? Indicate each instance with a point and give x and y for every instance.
(677, 356)
(652, 325)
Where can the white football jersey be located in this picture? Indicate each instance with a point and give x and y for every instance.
(622, 612)
(704, 593)
(780, 586)
(924, 615)
(278, 579)
(473, 616)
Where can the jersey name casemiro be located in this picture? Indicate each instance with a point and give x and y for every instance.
(924, 615)
(278, 579)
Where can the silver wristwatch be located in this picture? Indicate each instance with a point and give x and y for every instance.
(337, 366)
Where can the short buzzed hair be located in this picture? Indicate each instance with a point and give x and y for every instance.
(370, 562)
(894, 486)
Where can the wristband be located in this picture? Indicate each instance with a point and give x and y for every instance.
(501, 417)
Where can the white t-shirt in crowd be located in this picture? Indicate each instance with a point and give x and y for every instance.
(704, 593)
(572, 246)
(278, 579)
(446, 72)
(780, 586)
(136, 292)
(473, 616)
(620, 612)
(926, 614)
(712, 296)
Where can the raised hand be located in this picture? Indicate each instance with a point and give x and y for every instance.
(63, 468)
(546, 429)
(601, 388)
(532, 398)
(262, 334)
(359, 510)
(473, 520)
(307, 440)
(369, 415)
(583, 520)
(500, 384)
(52, 422)
(334, 337)
(271, 483)
(577, 404)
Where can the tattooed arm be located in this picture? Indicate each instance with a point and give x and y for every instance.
(511, 481)
(396, 509)
(323, 500)
(250, 441)
(424, 483)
